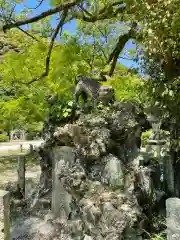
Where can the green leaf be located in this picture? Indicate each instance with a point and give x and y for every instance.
(65, 114)
(70, 103)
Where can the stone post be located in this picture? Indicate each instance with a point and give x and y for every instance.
(63, 157)
(21, 147)
(173, 218)
(21, 175)
(31, 148)
(169, 174)
(4, 215)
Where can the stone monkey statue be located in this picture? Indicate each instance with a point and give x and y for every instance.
(89, 87)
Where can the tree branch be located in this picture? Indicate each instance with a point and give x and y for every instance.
(59, 26)
(12, 10)
(11, 20)
(119, 47)
(109, 6)
(84, 10)
(41, 16)
(28, 34)
(39, 4)
(107, 14)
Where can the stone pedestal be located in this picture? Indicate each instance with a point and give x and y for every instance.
(62, 157)
(173, 218)
(4, 215)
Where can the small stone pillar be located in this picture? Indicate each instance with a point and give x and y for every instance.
(169, 174)
(31, 148)
(173, 218)
(21, 175)
(21, 147)
(4, 215)
(62, 157)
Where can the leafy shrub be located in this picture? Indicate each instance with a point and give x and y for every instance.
(61, 110)
(4, 138)
(145, 136)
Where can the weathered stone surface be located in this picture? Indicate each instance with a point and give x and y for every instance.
(21, 175)
(113, 172)
(4, 215)
(131, 234)
(169, 173)
(61, 199)
(86, 237)
(173, 218)
(95, 166)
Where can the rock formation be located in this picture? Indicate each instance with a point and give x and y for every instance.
(92, 178)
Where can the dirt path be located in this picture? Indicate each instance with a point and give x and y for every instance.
(15, 147)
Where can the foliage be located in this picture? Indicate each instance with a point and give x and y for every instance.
(157, 37)
(161, 44)
(145, 136)
(128, 87)
(161, 32)
(4, 138)
(98, 40)
(25, 105)
(61, 110)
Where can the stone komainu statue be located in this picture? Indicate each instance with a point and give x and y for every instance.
(89, 87)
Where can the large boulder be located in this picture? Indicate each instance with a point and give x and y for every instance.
(95, 173)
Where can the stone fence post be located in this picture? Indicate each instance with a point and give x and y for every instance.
(173, 218)
(5, 215)
(21, 147)
(169, 174)
(21, 175)
(31, 148)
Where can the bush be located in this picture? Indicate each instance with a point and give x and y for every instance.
(4, 138)
(145, 136)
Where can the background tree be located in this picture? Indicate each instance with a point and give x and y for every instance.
(106, 27)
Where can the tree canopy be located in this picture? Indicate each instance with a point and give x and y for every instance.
(51, 57)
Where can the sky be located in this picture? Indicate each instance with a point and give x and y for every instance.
(70, 26)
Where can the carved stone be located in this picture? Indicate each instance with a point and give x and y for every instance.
(61, 199)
